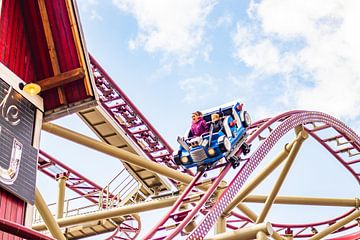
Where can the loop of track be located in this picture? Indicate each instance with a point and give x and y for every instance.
(287, 121)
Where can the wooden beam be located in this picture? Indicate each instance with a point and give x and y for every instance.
(51, 46)
(61, 79)
(80, 48)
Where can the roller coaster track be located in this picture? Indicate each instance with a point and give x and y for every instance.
(128, 228)
(277, 127)
(131, 120)
(213, 196)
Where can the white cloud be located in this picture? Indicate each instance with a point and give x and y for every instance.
(174, 28)
(198, 88)
(90, 7)
(224, 20)
(312, 47)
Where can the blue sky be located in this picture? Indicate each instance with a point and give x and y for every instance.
(188, 55)
(174, 57)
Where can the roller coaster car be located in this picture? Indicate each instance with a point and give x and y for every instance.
(204, 151)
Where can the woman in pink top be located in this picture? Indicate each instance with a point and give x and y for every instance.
(198, 125)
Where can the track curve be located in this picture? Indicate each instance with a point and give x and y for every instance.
(287, 121)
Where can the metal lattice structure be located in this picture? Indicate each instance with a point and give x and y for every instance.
(213, 197)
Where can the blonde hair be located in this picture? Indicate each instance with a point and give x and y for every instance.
(215, 116)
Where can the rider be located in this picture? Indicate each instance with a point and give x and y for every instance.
(198, 125)
(215, 120)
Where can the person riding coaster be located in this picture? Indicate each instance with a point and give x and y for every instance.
(226, 135)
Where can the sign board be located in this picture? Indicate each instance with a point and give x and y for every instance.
(18, 157)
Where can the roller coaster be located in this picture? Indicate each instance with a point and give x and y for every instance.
(198, 204)
(216, 202)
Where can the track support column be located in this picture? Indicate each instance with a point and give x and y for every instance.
(49, 220)
(245, 233)
(247, 189)
(301, 137)
(220, 226)
(121, 154)
(61, 195)
(337, 225)
(261, 236)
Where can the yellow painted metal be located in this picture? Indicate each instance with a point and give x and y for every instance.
(261, 236)
(277, 236)
(46, 215)
(116, 212)
(299, 200)
(336, 226)
(266, 171)
(302, 135)
(288, 237)
(220, 226)
(61, 196)
(253, 216)
(247, 211)
(245, 233)
(116, 152)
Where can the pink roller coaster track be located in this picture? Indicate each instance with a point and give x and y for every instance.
(267, 132)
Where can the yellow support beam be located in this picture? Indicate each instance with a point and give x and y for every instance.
(302, 135)
(220, 225)
(299, 200)
(116, 212)
(245, 233)
(121, 154)
(50, 222)
(61, 196)
(264, 173)
(261, 236)
(333, 227)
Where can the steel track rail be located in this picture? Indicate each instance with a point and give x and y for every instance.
(87, 189)
(131, 120)
(286, 122)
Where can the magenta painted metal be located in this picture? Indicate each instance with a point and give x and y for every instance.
(134, 124)
(287, 121)
(126, 230)
(199, 204)
(352, 236)
(336, 154)
(184, 217)
(88, 189)
(176, 205)
(21, 231)
(75, 181)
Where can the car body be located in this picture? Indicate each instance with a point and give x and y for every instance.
(210, 147)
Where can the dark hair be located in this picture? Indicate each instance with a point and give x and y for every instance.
(198, 113)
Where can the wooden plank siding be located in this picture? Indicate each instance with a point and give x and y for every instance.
(15, 53)
(24, 49)
(13, 209)
(15, 50)
(65, 47)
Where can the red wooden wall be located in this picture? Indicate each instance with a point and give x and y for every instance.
(15, 50)
(15, 53)
(23, 46)
(64, 45)
(13, 209)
